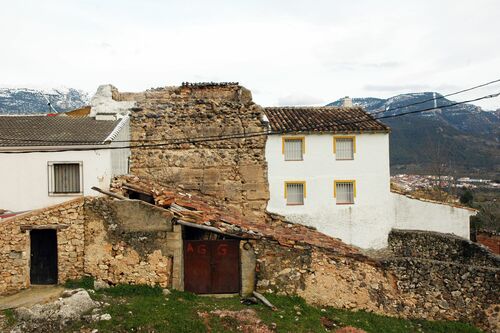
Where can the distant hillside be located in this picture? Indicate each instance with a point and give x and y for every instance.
(462, 138)
(33, 101)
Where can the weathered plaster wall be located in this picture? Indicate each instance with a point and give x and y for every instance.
(234, 171)
(365, 223)
(126, 242)
(417, 214)
(15, 244)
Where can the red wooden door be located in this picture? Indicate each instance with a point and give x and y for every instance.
(212, 267)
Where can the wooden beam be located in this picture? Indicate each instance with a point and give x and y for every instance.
(111, 194)
(207, 228)
(43, 226)
(264, 300)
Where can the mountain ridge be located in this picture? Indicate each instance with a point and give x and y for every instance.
(20, 100)
(464, 138)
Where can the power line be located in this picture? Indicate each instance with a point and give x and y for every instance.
(437, 98)
(237, 135)
(209, 137)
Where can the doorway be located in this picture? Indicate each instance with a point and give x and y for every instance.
(212, 266)
(43, 266)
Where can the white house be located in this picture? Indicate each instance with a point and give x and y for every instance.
(45, 160)
(328, 167)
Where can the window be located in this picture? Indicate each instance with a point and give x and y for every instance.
(293, 148)
(295, 192)
(344, 147)
(65, 178)
(344, 191)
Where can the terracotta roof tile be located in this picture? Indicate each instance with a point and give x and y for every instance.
(322, 119)
(207, 212)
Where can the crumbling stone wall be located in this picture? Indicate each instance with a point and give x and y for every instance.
(322, 277)
(447, 277)
(401, 287)
(126, 242)
(67, 218)
(232, 170)
(438, 246)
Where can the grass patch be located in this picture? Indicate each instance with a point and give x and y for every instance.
(10, 318)
(133, 290)
(146, 309)
(86, 282)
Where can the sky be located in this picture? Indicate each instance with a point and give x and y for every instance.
(286, 52)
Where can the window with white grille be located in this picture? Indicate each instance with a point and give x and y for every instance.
(345, 191)
(344, 148)
(295, 193)
(65, 178)
(293, 148)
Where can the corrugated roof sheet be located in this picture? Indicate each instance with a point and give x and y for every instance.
(28, 131)
(322, 119)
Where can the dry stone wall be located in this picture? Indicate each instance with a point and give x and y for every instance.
(232, 170)
(438, 246)
(126, 242)
(402, 287)
(67, 218)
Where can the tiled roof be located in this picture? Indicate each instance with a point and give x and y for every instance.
(206, 212)
(322, 119)
(53, 131)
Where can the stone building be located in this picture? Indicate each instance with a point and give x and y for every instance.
(161, 235)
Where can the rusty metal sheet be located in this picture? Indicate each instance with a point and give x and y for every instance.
(211, 266)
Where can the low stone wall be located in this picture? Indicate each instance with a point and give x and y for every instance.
(401, 287)
(68, 218)
(126, 242)
(442, 247)
(448, 291)
(322, 277)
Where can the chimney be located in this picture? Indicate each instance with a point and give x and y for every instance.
(347, 102)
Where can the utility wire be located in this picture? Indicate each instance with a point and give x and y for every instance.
(209, 137)
(235, 136)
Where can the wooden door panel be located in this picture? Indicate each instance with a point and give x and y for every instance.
(211, 267)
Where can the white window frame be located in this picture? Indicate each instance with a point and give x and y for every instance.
(302, 146)
(51, 179)
(350, 137)
(337, 182)
(295, 182)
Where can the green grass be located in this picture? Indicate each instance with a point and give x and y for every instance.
(146, 309)
(85, 282)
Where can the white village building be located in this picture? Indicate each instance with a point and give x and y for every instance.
(330, 170)
(45, 160)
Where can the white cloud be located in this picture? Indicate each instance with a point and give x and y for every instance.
(284, 51)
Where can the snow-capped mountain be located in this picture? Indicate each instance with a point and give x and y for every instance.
(35, 101)
(464, 117)
(465, 137)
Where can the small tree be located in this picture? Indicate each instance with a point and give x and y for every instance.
(467, 197)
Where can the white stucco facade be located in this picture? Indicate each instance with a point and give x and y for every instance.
(367, 222)
(24, 177)
(414, 214)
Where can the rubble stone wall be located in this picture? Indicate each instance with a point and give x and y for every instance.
(449, 291)
(401, 287)
(122, 247)
(442, 247)
(67, 218)
(232, 170)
